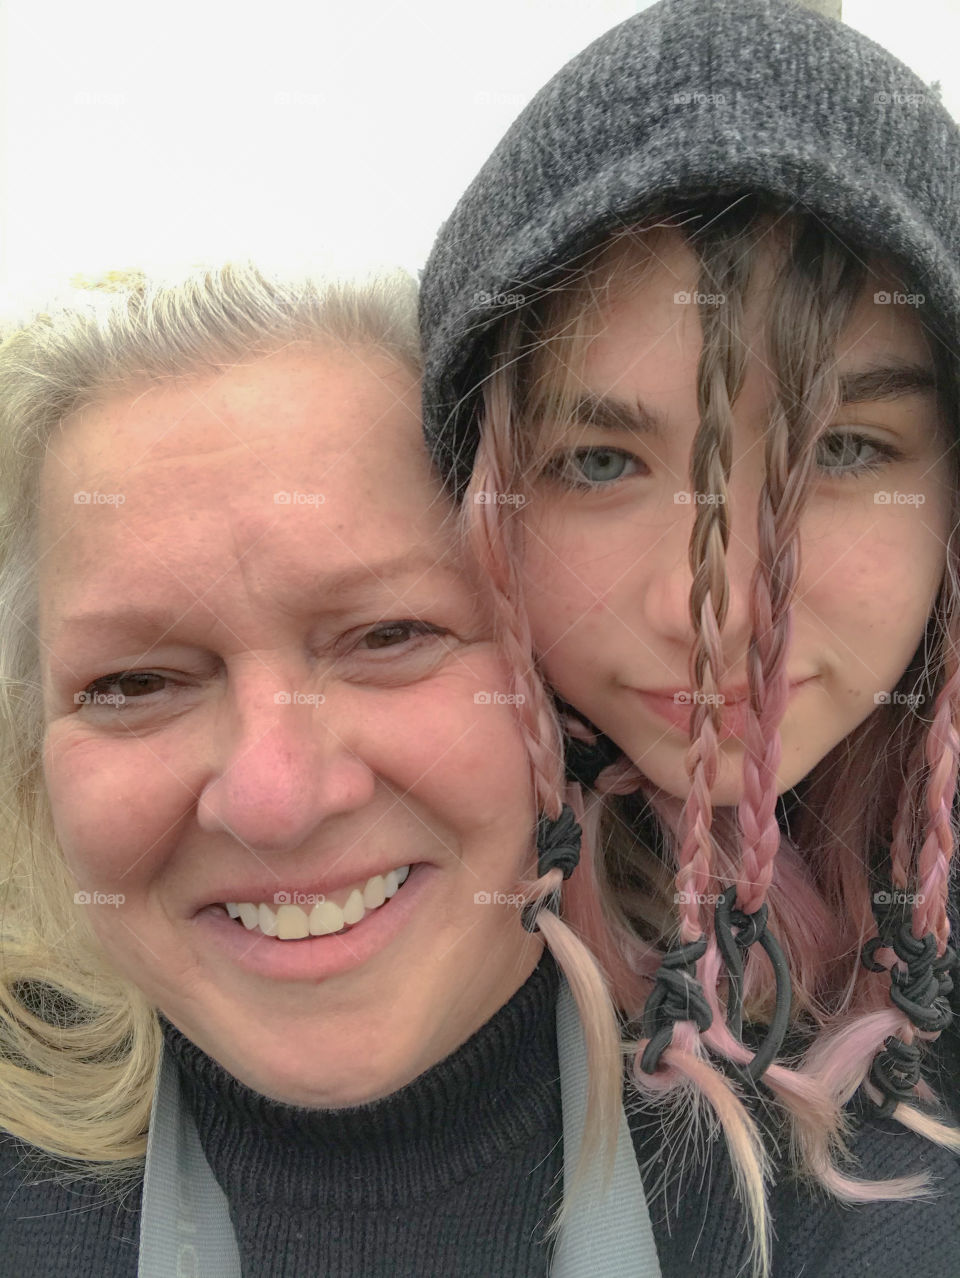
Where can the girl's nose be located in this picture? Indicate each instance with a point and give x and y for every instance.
(666, 597)
(281, 768)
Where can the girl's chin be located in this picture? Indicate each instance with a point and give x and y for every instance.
(727, 790)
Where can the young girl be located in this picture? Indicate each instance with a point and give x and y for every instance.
(691, 344)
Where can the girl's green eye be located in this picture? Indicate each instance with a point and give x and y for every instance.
(840, 453)
(593, 467)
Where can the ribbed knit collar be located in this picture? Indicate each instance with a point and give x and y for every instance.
(491, 1095)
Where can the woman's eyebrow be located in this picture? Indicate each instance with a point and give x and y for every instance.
(341, 587)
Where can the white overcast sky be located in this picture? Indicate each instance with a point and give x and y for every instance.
(137, 135)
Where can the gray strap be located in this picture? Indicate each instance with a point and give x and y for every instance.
(185, 1225)
(609, 1236)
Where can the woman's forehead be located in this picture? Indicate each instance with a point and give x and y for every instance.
(286, 469)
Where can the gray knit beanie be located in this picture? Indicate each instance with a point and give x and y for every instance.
(687, 97)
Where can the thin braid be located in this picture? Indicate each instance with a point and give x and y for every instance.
(720, 374)
(807, 402)
(904, 821)
(936, 854)
(493, 537)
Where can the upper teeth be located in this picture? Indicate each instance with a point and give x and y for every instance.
(292, 922)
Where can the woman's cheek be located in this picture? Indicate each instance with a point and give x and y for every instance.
(103, 800)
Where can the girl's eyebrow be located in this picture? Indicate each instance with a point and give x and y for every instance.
(609, 412)
(879, 381)
(885, 381)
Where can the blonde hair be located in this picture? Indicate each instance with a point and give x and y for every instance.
(80, 1045)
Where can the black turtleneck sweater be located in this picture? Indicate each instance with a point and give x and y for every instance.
(455, 1176)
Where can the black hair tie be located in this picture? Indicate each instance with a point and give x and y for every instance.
(558, 848)
(585, 761)
(918, 991)
(734, 946)
(676, 996)
(895, 1072)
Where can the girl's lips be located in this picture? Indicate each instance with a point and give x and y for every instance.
(314, 958)
(733, 720)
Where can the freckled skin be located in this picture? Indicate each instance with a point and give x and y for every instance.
(209, 779)
(606, 572)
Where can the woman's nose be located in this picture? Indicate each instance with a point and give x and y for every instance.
(281, 767)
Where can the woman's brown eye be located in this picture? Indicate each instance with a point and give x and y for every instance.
(393, 633)
(384, 636)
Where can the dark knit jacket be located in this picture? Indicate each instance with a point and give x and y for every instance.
(455, 1176)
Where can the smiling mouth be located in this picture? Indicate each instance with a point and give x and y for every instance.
(292, 921)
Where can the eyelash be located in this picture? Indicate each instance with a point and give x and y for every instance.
(420, 629)
(560, 465)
